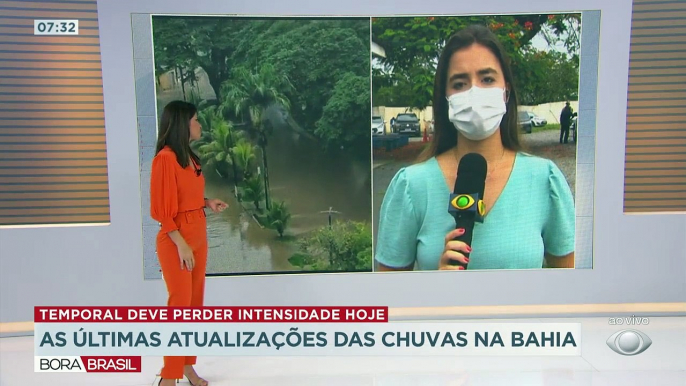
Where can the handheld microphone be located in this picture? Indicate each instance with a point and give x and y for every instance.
(466, 203)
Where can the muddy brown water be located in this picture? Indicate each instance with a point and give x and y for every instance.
(310, 180)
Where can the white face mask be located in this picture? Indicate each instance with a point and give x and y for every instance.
(477, 113)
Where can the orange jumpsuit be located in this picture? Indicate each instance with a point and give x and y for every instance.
(177, 202)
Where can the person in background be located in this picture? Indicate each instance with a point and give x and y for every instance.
(529, 209)
(565, 122)
(177, 202)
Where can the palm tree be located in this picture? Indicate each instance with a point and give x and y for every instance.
(251, 94)
(211, 117)
(252, 191)
(278, 217)
(219, 152)
(205, 117)
(244, 154)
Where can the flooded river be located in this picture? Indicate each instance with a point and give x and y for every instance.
(310, 181)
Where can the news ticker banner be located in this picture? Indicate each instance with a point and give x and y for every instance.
(112, 335)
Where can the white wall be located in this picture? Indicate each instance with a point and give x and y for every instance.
(550, 111)
(637, 258)
(391, 112)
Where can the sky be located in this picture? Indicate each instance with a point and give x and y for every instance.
(539, 43)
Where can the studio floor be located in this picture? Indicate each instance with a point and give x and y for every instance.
(663, 364)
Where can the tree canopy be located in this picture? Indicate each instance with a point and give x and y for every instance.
(319, 57)
(413, 45)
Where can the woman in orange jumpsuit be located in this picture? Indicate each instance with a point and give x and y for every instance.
(177, 202)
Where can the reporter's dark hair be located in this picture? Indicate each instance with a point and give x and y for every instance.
(175, 131)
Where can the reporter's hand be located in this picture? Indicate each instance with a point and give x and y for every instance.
(454, 252)
(216, 205)
(186, 256)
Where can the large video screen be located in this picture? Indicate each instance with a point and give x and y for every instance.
(338, 142)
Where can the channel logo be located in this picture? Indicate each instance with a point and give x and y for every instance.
(87, 364)
(629, 342)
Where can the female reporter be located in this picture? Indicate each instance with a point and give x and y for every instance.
(529, 209)
(177, 202)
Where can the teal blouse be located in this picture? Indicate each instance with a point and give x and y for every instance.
(533, 215)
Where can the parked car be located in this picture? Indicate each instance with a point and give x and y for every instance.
(407, 123)
(537, 121)
(524, 121)
(378, 126)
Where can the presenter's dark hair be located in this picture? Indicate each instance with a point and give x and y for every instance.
(175, 131)
(445, 135)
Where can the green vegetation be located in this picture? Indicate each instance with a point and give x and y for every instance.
(413, 46)
(313, 73)
(278, 217)
(315, 69)
(345, 246)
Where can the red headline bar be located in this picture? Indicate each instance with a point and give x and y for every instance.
(210, 314)
(121, 364)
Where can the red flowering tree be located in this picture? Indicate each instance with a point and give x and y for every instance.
(413, 44)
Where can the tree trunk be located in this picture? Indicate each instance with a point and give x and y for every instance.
(266, 177)
(233, 162)
(215, 79)
(183, 86)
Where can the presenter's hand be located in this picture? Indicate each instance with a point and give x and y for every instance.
(186, 257)
(216, 205)
(453, 252)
